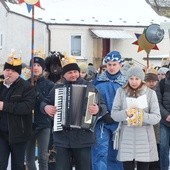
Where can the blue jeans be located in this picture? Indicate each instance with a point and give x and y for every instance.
(17, 153)
(42, 138)
(164, 146)
(103, 154)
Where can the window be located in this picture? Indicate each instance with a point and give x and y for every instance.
(76, 45)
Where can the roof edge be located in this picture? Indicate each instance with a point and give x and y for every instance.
(5, 5)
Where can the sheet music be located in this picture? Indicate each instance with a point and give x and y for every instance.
(91, 101)
(140, 102)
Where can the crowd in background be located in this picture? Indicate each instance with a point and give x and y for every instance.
(27, 94)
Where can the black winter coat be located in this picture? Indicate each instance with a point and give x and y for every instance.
(73, 137)
(164, 100)
(42, 88)
(18, 105)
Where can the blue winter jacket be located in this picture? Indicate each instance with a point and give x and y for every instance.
(107, 86)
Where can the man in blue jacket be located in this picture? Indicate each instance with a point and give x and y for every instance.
(103, 154)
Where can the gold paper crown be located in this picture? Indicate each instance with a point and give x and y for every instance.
(40, 54)
(151, 70)
(13, 60)
(67, 60)
(83, 66)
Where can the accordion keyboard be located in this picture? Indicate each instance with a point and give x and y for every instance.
(59, 104)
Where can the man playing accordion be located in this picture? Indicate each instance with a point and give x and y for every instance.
(73, 142)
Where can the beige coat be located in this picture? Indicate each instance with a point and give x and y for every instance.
(137, 143)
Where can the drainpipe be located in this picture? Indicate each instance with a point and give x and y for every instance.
(49, 38)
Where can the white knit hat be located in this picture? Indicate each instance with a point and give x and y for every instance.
(163, 70)
(136, 71)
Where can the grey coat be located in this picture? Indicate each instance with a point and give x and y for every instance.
(137, 143)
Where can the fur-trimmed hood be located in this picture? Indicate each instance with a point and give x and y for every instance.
(135, 93)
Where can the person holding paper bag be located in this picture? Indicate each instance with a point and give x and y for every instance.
(136, 106)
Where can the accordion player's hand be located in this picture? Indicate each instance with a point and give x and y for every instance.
(93, 109)
(50, 110)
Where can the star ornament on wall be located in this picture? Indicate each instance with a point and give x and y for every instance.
(144, 44)
(30, 3)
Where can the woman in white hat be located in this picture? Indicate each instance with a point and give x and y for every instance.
(136, 107)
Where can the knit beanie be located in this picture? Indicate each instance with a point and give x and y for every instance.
(163, 70)
(13, 62)
(136, 71)
(113, 56)
(40, 61)
(16, 68)
(69, 63)
(39, 58)
(71, 66)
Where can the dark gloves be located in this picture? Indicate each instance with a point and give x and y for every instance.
(107, 119)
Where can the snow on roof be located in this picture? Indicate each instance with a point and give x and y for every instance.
(93, 12)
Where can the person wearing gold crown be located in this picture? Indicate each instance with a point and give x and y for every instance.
(136, 107)
(41, 122)
(17, 98)
(151, 79)
(72, 142)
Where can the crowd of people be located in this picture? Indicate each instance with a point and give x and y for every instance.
(110, 119)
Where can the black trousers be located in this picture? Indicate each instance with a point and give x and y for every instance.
(17, 152)
(155, 165)
(130, 165)
(80, 156)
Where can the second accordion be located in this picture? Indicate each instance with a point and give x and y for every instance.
(72, 102)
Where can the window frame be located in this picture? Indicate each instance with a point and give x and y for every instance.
(81, 49)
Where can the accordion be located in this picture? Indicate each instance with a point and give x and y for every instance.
(72, 102)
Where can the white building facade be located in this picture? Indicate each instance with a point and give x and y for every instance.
(80, 40)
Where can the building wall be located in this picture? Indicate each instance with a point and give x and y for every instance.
(17, 34)
(2, 30)
(61, 40)
(16, 31)
(92, 47)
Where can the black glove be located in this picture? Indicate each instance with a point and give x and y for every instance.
(107, 119)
